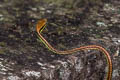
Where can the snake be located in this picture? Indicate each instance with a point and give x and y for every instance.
(41, 24)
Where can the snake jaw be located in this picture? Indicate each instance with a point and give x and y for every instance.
(40, 25)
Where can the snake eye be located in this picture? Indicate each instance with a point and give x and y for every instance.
(40, 25)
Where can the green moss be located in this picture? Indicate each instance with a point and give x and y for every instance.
(2, 51)
(65, 3)
(98, 36)
(60, 31)
(2, 44)
(30, 57)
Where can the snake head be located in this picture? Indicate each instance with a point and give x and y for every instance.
(41, 25)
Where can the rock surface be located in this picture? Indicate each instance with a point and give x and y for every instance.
(71, 24)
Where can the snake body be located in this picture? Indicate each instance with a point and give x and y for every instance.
(40, 26)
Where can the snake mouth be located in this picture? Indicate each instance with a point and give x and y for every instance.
(41, 25)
